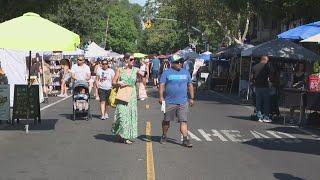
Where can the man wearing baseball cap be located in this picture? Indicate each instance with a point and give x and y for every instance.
(176, 82)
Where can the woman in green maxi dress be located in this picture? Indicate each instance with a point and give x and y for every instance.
(125, 125)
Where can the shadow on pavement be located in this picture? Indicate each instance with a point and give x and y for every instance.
(209, 96)
(305, 146)
(106, 137)
(283, 176)
(289, 130)
(157, 139)
(80, 118)
(247, 118)
(46, 124)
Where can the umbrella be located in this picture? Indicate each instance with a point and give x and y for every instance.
(34, 33)
(207, 53)
(205, 57)
(301, 32)
(280, 48)
(315, 39)
(233, 50)
(162, 57)
(139, 55)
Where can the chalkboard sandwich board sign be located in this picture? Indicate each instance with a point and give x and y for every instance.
(21, 105)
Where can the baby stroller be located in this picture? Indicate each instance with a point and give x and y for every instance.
(81, 100)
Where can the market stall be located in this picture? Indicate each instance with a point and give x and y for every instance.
(23, 33)
(95, 51)
(285, 56)
(233, 55)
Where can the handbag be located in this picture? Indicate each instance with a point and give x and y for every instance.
(112, 97)
(124, 94)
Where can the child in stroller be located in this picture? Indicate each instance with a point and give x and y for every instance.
(81, 98)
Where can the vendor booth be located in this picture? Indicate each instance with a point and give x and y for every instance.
(229, 66)
(285, 59)
(23, 34)
(95, 51)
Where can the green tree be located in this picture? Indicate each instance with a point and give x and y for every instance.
(123, 33)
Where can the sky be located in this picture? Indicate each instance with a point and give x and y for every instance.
(141, 2)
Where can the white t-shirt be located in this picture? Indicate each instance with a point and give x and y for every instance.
(105, 78)
(81, 72)
(143, 68)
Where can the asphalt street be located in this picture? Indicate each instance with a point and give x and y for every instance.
(227, 145)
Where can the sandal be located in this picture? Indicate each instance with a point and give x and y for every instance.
(127, 141)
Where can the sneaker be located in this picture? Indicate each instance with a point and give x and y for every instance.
(97, 98)
(187, 143)
(103, 117)
(106, 116)
(61, 95)
(163, 140)
(142, 99)
(260, 120)
(267, 120)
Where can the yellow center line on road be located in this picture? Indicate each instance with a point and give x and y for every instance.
(150, 162)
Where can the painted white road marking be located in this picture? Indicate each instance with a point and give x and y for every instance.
(259, 136)
(219, 135)
(205, 135)
(292, 138)
(316, 137)
(237, 136)
(46, 107)
(233, 135)
(191, 135)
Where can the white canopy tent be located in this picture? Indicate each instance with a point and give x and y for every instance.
(77, 52)
(14, 65)
(95, 51)
(115, 55)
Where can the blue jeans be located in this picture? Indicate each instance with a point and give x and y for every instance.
(262, 102)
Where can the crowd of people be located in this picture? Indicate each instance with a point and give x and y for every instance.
(102, 76)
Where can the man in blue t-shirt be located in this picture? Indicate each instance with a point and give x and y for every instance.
(155, 68)
(176, 82)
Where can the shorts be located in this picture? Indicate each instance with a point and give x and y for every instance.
(67, 78)
(104, 95)
(155, 74)
(179, 111)
(92, 79)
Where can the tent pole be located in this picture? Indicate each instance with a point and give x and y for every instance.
(43, 78)
(240, 67)
(248, 89)
(28, 94)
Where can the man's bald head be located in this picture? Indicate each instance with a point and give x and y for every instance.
(264, 59)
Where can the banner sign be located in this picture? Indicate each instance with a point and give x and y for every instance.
(4, 102)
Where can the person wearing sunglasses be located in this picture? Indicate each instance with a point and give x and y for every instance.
(80, 71)
(175, 83)
(104, 78)
(125, 125)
